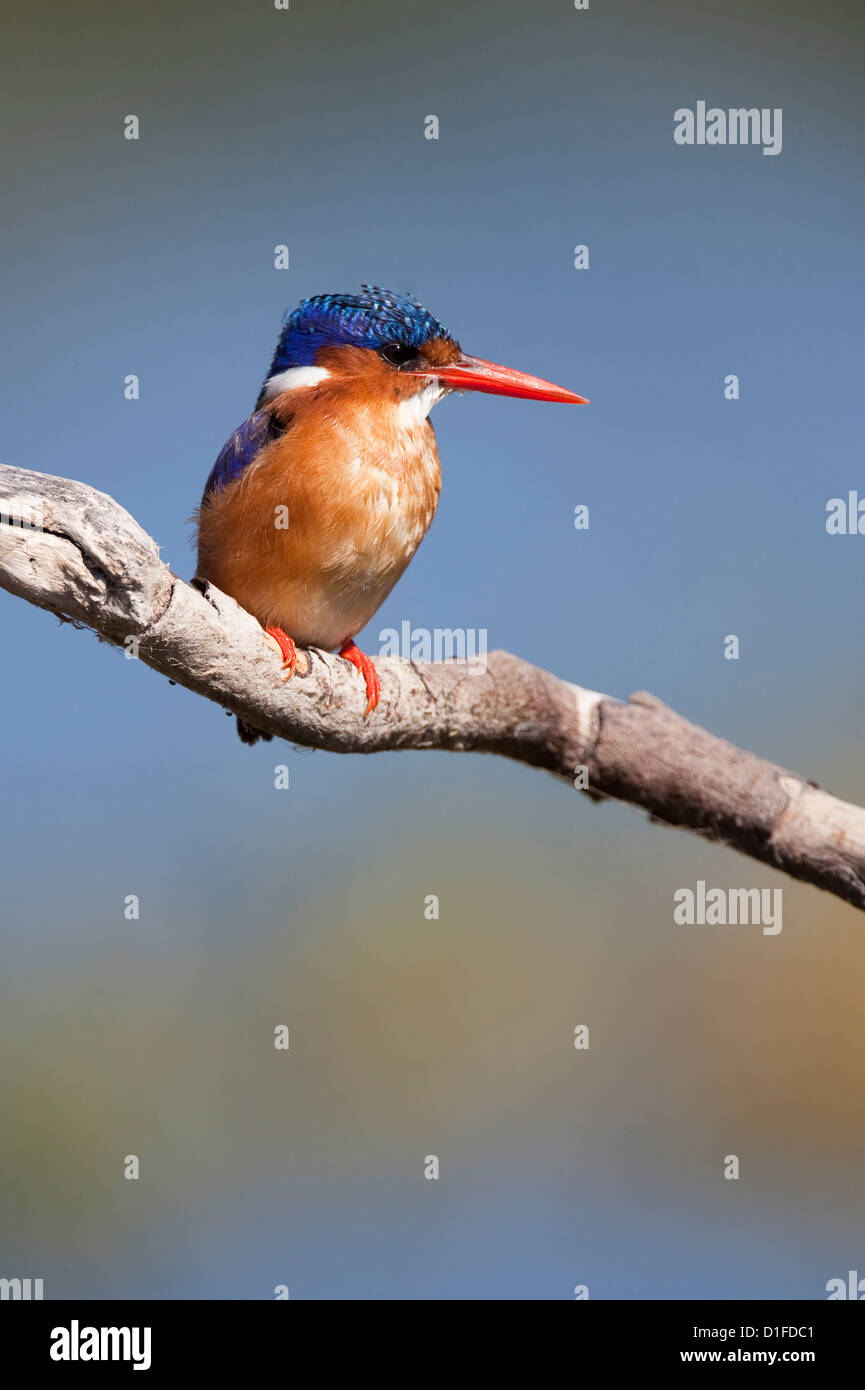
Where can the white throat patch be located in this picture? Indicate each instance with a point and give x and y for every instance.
(416, 408)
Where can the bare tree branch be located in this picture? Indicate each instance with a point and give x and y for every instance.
(74, 551)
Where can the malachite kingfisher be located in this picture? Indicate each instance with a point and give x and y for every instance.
(319, 500)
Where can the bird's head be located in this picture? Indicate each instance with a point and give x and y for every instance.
(389, 346)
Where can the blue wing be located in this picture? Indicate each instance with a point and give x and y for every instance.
(244, 445)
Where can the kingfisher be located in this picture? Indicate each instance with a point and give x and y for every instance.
(319, 500)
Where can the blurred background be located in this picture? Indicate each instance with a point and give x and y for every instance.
(305, 907)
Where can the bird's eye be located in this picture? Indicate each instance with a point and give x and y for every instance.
(397, 354)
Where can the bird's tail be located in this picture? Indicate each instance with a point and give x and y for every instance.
(247, 734)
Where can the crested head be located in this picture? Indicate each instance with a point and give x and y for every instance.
(395, 327)
(374, 318)
(384, 345)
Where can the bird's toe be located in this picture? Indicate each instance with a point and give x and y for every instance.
(283, 645)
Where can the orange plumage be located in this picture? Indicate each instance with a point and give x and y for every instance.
(319, 500)
(314, 534)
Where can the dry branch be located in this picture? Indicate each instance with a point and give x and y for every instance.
(81, 556)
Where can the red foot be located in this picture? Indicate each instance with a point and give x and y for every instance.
(367, 669)
(287, 648)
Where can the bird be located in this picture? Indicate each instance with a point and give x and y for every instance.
(318, 501)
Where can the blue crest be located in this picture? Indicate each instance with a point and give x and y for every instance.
(370, 319)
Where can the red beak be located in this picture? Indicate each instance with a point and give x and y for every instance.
(474, 374)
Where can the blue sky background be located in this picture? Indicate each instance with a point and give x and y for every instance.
(305, 907)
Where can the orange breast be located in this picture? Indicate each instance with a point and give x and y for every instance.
(315, 533)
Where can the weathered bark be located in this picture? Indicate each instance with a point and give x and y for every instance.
(74, 551)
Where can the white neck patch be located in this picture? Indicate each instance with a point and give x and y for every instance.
(416, 408)
(291, 379)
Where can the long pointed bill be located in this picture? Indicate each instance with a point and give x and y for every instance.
(474, 374)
